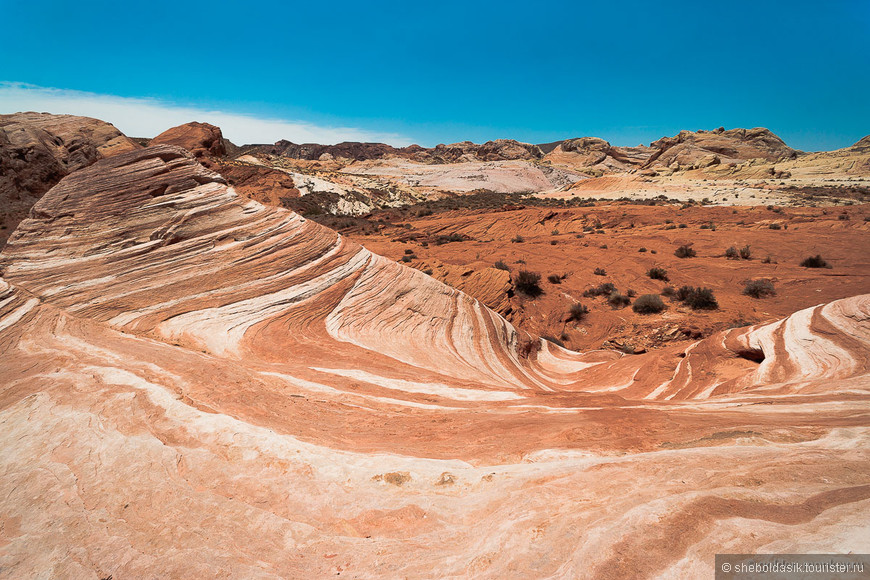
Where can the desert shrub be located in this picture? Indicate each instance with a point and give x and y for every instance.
(648, 304)
(682, 226)
(554, 279)
(553, 242)
(604, 289)
(657, 273)
(641, 249)
(409, 251)
(603, 246)
(815, 262)
(554, 233)
(732, 253)
(577, 312)
(600, 272)
(759, 288)
(682, 293)
(407, 259)
(768, 260)
(775, 226)
(669, 291)
(428, 271)
(454, 237)
(630, 293)
(671, 227)
(685, 252)
(708, 226)
(554, 340)
(618, 300)
(518, 239)
(745, 252)
(697, 298)
(500, 265)
(843, 216)
(529, 283)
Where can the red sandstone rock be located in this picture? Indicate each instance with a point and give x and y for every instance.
(201, 139)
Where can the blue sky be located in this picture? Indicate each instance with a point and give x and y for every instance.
(431, 72)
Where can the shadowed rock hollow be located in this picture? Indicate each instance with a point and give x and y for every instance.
(197, 385)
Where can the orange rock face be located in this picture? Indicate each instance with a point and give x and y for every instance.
(196, 385)
(201, 139)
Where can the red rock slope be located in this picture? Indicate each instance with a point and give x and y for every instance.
(195, 385)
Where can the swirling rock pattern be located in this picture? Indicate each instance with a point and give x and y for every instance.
(196, 385)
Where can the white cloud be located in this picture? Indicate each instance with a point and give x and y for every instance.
(144, 117)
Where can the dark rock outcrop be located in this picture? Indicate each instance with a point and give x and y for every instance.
(498, 150)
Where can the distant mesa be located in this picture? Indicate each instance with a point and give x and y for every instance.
(498, 150)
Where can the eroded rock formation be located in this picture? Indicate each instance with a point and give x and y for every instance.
(201, 139)
(38, 149)
(196, 385)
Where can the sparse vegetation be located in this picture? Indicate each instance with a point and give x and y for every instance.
(554, 279)
(528, 283)
(732, 253)
(641, 249)
(775, 226)
(815, 262)
(745, 252)
(618, 300)
(759, 288)
(454, 237)
(518, 239)
(657, 273)
(648, 304)
(500, 265)
(685, 252)
(600, 272)
(604, 289)
(577, 312)
(697, 298)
